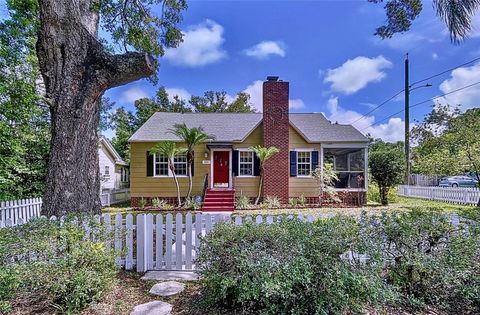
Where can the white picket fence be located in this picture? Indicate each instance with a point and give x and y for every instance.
(167, 242)
(15, 210)
(466, 196)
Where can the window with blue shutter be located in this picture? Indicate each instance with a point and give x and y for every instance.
(293, 163)
(256, 165)
(235, 162)
(314, 160)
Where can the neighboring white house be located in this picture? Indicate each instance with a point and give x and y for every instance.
(114, 171)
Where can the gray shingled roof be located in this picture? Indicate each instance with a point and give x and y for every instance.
(234, 127)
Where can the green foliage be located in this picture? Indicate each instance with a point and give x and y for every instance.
(216, 102)
(374, 193)
(24, 116)
(191, 203)
(271, 202)
(387, 168)
(243, 202)
(158, 203)
(288, 268)
(70, 271)
(457, 15)
(293, 202)
(142, 203)
(263, 154)
(410, 259)
(327, 178)
(428, 261)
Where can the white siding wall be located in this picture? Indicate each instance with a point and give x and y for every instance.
(106, 160)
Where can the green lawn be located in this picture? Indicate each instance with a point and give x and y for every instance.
(401, 204)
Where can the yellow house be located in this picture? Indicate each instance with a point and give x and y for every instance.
(226, 165)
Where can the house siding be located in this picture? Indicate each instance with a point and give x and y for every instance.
(248, 186)
(298, 185)
(105, 159)
(150, 186)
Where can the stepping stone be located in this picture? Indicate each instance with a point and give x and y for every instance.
(167, 288)
(161, 275)
(152, 308)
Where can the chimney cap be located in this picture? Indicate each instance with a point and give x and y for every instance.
(272, 78)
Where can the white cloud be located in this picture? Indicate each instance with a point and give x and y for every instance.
(391, 131)
(265, 49)
(132, 94)
(296, 104)
(255, 90)
(202, 45)
(434, 56)
(181, 92)
(356, 73)
(459, 78)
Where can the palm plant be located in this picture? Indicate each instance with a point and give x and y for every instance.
(170, 150)
(263, 155)
(191, 137)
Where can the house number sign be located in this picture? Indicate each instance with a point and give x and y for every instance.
(206, 162)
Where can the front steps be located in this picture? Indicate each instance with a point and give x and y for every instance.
(219, 200)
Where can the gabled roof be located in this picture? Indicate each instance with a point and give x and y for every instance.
(108, 145)
(235, 127)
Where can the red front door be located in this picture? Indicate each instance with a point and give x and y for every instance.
(221, 170)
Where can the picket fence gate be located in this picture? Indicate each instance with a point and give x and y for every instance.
(15, 210)
(466, 196)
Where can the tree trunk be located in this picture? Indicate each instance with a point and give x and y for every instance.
(77, 71)
(189, 179)
(260, 186)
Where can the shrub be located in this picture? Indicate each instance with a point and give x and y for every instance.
(429, 262)
(158, 203)
(288, 268)
(191, 203)
(374, 194)
(302, 200)
(70, 270)
(293, 202)
(243, 202)
(387, 169)
(142, 203)
(271, 202)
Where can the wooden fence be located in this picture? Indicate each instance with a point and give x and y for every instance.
(466, 196)
(167, 242)
(15, 210)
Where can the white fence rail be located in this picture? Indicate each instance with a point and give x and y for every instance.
(167, 242)
(15, 210)
(466, 196)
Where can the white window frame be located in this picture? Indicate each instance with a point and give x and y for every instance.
(309, 150)
(170, 174)
(253, 162)
(106, 170)
(348, 146)
(124, 175)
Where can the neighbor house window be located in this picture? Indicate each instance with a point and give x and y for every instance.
(245, 163)
(124, 174)
(349, 165)
(161, 165)
(107, 170)
(304, 163)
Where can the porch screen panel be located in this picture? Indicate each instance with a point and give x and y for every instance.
(349, 165)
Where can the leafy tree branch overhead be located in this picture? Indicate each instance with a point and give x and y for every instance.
(456, 14)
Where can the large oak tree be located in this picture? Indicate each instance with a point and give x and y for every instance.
(77, 67)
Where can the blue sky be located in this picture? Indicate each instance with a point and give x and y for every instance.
(325, 49)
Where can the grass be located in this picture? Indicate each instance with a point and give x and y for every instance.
(401, 204)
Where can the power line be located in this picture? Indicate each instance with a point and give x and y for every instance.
(443, 72)
(377, 107)
(422, 102)
(414, 83)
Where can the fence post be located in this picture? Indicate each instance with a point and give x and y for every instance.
(141, 243)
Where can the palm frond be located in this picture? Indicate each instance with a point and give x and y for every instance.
(264, 153)
(191, 136)
(457, 15)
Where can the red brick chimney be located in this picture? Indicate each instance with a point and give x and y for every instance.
(275, 133)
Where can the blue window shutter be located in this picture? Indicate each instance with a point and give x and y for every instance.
(149, 164)
(314, 160)
(235, 162)
(293, 163)
(256, 165)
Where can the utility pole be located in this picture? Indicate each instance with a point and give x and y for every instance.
(407, 123)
